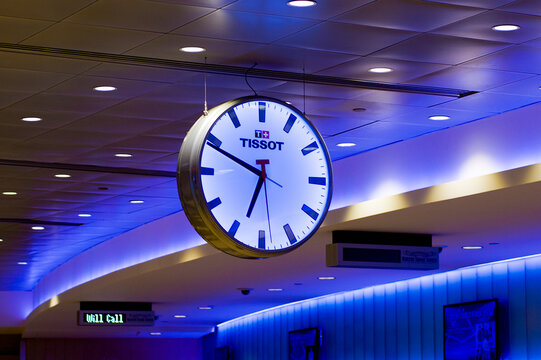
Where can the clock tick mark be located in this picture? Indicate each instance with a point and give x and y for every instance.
(213, 203)
(233, 229)
(233, 115)
(309, 211)
(289, 234)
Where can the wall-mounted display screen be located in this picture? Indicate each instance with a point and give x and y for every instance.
(304, 344)
(470, 331)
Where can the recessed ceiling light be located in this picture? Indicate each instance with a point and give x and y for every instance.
(276, 289)
(301, 3)
(62, 176)
(22, 263)
(31, 119)
(179, 316)
(326, 278)
(136, 201)
(1, 240)
(380, 70)
(347, 144)
(123, 155)
(84, 215)
(439, 117)
(476, 247)
(192, 49)
(209, 307)
(505, 27)
(155, 333)
(9, 193)
(494, 243)
(38, 228)
(105, 88)
(359, 109)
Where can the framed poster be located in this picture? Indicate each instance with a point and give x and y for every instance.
(470, 331)
(304, 344)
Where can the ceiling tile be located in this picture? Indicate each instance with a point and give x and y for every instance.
(475, 79)
(334, 36)
(14, 30)
(413, 15)
(38, 152)
(402, 70)
(290, 91)
(79, 138)
(153, 143)
(84, 85)
(90, 38)
(101, 123)
(242, 26)
(495, 102)
(527, 87)
(421, 117)
(68, 103)
(285, 58)
(29, 81)
(440, 49)
(149, 109)
(480, 27)
(138, 15)
(51, 119)
(54, 10)
(167, 47)
(208, 3)
(401, 98)
(531, 7)
(485, 4)
(332, 125)
(139, 72)
(323, 11)
(516, 58)
(8, 98)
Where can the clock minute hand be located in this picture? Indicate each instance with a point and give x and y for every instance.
(240, 162)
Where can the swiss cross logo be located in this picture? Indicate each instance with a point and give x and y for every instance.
(261, 134)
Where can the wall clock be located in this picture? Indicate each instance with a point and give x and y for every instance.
(254, 177)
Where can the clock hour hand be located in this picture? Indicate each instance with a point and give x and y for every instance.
(240, 162)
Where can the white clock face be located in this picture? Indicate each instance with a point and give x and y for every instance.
(265, 175)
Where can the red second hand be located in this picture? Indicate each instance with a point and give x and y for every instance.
(264, 176)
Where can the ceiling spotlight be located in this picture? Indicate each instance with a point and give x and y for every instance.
(192, 49)
(136, 201)
(475, 247)
(505, 27)
(209, 307)
(9, 193)
(276, 289)
(84, 215)
(326, 278)
(22, 263)
(380, 70)
(38, 228)
(347, 144)
(301, 3)
(123, 155)
(1, 240)
(31, 119)
(105, 88)
(179, 316)
(155, 333)
(439, 117)
(62, 176)
(359, 109)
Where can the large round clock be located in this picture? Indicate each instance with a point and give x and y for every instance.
(254, 177)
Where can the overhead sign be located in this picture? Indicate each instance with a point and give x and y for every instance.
(116, 318)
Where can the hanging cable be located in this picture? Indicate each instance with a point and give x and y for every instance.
(246, 78)
(205, 110)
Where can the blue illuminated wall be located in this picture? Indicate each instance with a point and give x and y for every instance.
(402, 320)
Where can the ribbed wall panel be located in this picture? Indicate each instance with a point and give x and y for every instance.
(402, 320)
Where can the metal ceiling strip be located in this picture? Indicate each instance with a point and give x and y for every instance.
(232, 70)
(91, 168)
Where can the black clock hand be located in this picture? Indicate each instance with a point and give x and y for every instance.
(260, 182)
(240, 162)
(254, 197)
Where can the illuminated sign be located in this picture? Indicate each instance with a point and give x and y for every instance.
(116, 318)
